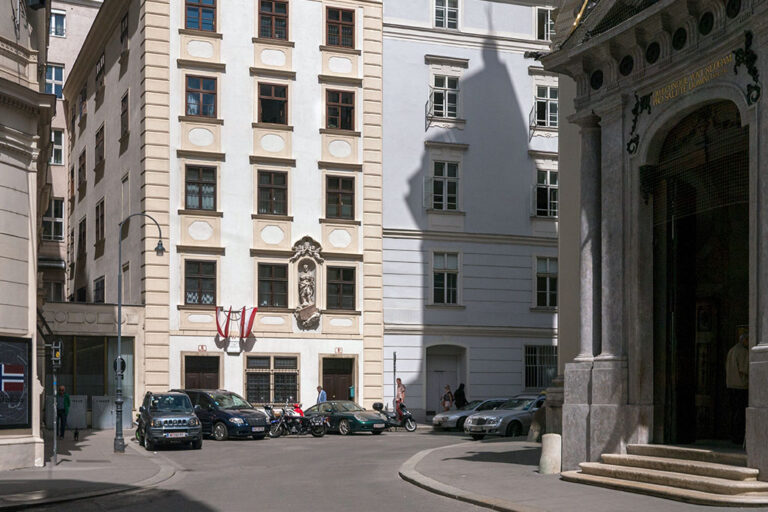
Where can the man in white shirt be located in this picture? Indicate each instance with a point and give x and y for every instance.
(737, 382)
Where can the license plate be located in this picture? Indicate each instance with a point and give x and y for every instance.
(257, 429)
(476, 429)
(378, 425)
(175, 434)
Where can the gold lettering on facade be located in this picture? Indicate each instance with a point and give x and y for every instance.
(689, 82)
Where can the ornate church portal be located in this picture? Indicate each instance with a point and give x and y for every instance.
(700, 198)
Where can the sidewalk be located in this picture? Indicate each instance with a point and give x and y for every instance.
(85, 468)
(503, 475)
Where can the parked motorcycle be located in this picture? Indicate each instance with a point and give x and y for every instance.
(405, 420)
(293, 421)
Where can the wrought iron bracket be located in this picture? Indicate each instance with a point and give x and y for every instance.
(748, 58)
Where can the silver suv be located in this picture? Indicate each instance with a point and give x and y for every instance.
(166, 418)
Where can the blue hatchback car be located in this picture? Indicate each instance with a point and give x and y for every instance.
(225, 414)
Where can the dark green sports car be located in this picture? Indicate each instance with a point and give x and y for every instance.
(346, 416)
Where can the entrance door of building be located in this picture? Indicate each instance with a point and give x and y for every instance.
(442, 370)
(201, 372)
(338, 377)
(701, 265)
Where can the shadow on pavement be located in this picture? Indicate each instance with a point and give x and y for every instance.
(523, 457)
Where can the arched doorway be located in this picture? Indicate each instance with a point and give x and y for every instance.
(700, 191)
(446, 365)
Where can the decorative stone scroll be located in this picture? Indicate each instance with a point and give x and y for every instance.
(306, 252)
(748, 57)
(642, 104)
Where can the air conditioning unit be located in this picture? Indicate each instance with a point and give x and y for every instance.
(36, 4)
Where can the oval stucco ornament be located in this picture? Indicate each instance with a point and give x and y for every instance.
(272, 57)
(200, 137)
(200, 49)
(340, 238)
(272, 143)
(200, 231)
(340, 148)
(272, 235)
(340, 65)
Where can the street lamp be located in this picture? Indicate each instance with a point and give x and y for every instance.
(119, 363)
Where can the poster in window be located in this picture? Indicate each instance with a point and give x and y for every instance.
(15, 380)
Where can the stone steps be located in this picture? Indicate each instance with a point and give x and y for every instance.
(678, 452)
(691, 467)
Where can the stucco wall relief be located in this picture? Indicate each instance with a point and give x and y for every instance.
(272, 57)
(200, 49)
(272, 235)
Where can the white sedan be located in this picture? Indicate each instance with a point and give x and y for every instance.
(455, 419)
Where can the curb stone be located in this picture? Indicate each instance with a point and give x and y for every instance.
(33, 499)
(409, 473)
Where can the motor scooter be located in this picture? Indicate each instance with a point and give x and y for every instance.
(404, 420)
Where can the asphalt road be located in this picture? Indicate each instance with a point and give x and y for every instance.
(302, 474)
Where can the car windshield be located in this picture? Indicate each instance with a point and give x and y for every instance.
(170, 403)
(517, 404)
(470, 406)
(230, 401)
(348, 407)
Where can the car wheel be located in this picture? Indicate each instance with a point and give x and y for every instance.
(344, 427)
(220, 432)
(377, 432)
(149, 445)
(514, 429)
(478, 437)
(410, 425)
(259, 438)
(196, 445)
(460, 424)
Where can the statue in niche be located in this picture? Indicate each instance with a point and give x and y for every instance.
(307, 253)
(306, 284)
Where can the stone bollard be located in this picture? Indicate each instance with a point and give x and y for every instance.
(551, 451)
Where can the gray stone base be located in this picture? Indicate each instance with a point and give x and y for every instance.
(575, 435)
(757, 444)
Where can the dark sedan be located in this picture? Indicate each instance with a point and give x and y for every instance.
(346, 417)
(224, 414)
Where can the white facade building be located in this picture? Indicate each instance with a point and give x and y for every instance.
(470, 203)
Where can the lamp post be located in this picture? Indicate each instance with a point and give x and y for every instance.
(119, 363)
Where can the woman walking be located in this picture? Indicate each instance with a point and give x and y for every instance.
(447, 398)
(459, 397)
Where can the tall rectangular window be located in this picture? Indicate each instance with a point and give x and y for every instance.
(273, 19)
(273, 103)
(99, 147)
(81, 236)
(82, 101)
(447, 13)
(57, 152)
(124, 120)
(271, 379)
(98, 290)
(546, 106)
(53, 221)
(445, 278)
(273, 192)
(340, 27)
(200, 282)
(546, 193)
(99, 232)
(273, 285)
(341, 288)
(546, 282)
(100, 70)
(340, 198)
(81, 171)
(201, 96)
(540, 366)
(200, 188)
(54, 291)
(545, 24)
(340, 110)
(445, 186)
(58, 23)
(445, 96)
(54, 80)
(124, 29)
(201, 15)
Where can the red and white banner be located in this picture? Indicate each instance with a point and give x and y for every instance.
(246, 322)
(223, 333)
(244, 325)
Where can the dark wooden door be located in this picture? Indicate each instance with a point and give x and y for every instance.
(201, 372)
(338, 378)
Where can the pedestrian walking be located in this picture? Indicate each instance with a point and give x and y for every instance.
(737, 382)
(321, 395)
(399, 397)
(447, 399)
(459, 397)
(62, 410)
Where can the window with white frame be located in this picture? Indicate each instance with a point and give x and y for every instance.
(447, 13)
(546, 282)
(540, 366)
(98, 290)
(54, 80)
(545, 24)
(445, 278)
(546, 106)
(445, 186)
(445, 96)
(546, 193)
(271, 379)
(57, 152)
(53, 221)
(58, 23)
(54, 291)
